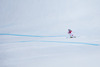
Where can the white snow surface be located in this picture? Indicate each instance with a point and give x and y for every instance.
(33, 33)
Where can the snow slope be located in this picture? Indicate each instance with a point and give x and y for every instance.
(21, 51)
(33, 33)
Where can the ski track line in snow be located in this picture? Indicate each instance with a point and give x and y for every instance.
(63, 42)
(48, 41)
(93, 44)
(32, 35)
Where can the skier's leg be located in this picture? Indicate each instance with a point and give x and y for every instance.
(71, 35)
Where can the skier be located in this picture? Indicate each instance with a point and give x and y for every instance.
(70, 33)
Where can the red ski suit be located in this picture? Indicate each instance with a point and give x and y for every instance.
(69, 32)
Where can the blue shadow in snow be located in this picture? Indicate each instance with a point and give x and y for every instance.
(30, 35)
(64, 42)
(50, 41)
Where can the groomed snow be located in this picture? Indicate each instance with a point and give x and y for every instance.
(33, 33)
(21, 51)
